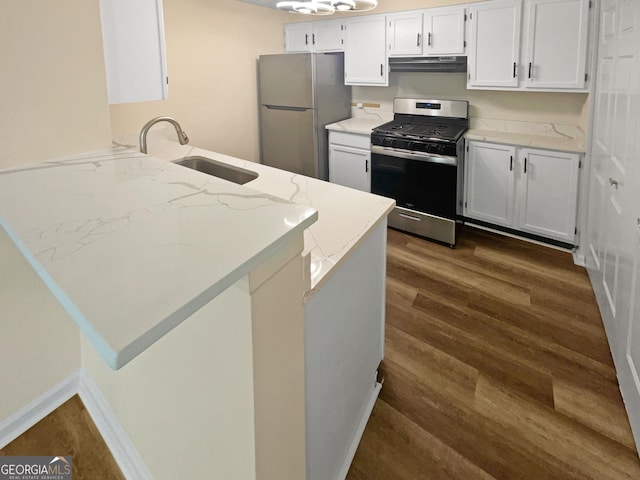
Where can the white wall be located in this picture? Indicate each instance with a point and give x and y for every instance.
(560, 108)
(53, 95)
(53, 102)
(187, 401)
(39, 343)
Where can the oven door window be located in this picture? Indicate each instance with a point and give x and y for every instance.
(416, 184)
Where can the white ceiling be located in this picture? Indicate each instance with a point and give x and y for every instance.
(262, 3)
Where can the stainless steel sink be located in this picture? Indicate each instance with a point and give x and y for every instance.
(218, 169)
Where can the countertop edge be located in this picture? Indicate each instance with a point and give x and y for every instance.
(163, 327)
(309, 294)
(356, 125)
(116, 359)
(97, 340)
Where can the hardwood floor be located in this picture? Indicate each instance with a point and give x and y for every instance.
(496, 367)
(69, 430)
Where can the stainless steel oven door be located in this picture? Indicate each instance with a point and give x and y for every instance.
(425, 187)
(417, 181)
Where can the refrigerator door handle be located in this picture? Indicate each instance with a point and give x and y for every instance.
(293, 109)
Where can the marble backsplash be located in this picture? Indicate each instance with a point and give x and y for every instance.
(384, 111)
(528, 128)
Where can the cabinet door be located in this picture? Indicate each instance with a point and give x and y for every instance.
(494, 44)
(556, 44)
(327, 36)
(365, 51)
(444, 31)
(350, 167)
(134, 51)
(548, 193)
(490, 183)
(405, 34)
(297, 37)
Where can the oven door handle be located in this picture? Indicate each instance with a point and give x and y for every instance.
(411, 155)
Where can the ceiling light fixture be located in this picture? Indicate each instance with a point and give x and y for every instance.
(307, 8)
(327, 7)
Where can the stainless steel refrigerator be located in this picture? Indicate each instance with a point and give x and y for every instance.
(300, 93)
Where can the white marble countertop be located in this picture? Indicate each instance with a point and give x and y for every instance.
(525, 140)
(356, 125)
(527, 134)
(345, 215)
(123, 241)
(566, 138)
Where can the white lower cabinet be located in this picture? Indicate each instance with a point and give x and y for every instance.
(350, 160)
(490, 182)
(526, 189)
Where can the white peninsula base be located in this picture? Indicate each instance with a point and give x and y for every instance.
(344, 344)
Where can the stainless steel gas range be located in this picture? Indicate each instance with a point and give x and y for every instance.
(416, 159)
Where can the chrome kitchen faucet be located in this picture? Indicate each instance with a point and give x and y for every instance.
(182, 137)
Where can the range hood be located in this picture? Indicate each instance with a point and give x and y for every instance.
(428, 64)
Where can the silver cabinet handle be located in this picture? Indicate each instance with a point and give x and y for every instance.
(410, 217)
(613, 183)
(381, 70)
(418, 43)
(306, 39)
(429, 40)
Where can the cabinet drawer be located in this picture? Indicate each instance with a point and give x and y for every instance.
(346, 139)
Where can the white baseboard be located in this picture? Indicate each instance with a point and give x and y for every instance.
(81, 383)
(117, 440)
(579, 258)
(359, 432)
(25, 418)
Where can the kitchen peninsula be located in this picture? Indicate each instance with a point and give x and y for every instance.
(132, 246)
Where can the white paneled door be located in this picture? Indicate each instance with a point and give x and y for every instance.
(613, 235)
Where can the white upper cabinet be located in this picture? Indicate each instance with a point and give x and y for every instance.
(444, 31)
(324, 36)
(365, 51)
(430, 32)
(556, 43)
(405, 34)
(548, 53)
(297, 37)
(134, 50)
(327, 36)
(494, 44)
